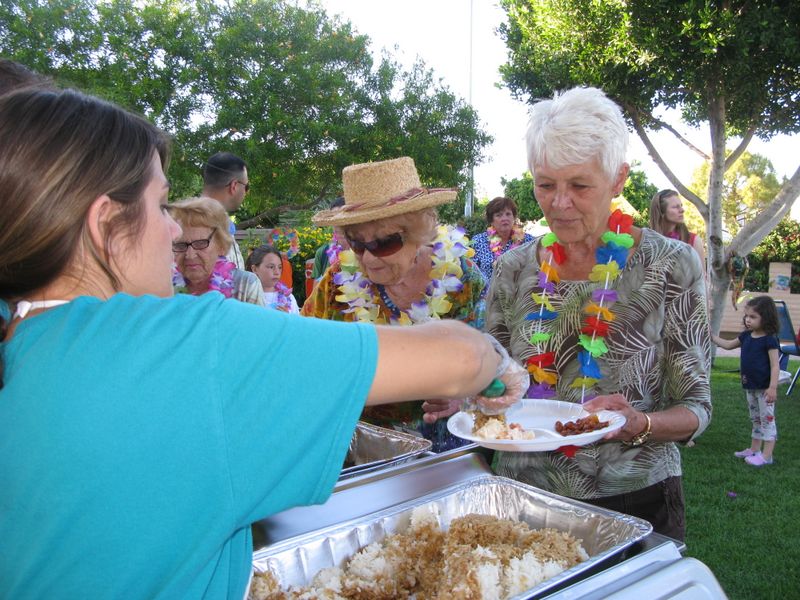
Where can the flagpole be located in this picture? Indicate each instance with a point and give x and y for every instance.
(468, 200)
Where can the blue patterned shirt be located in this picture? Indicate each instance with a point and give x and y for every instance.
(483, 254)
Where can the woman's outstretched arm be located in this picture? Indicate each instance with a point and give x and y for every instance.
(440, 359)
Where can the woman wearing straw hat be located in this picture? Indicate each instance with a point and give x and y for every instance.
(402, 267)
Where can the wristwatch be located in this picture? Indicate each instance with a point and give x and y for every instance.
(642, 437)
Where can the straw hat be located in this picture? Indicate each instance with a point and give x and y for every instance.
(383, 189)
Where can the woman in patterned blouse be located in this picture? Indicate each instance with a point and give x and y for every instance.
(503, 234)
(604, 313)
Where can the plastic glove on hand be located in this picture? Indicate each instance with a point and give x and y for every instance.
(496, 398)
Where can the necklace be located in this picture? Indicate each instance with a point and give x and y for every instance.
(496, 242)
(388, 301)
(356, 290)
(221, 279)
(283, 300)
(24, 306)
(610, 259)
(333, 250)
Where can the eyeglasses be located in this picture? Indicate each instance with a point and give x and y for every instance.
(245, 184)
(196, 244)
(380, 247)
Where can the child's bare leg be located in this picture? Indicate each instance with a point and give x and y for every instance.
(766, 452)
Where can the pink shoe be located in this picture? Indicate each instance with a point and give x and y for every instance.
(744, 453)
(757, 460)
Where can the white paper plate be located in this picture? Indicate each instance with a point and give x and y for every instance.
(539, 416)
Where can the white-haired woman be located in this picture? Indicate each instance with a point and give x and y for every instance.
(201, 260)
(604, 313)
(402, 268)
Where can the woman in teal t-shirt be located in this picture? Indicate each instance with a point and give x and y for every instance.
(141, 434)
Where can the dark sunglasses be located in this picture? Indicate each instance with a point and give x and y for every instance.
(196, 244)
(380, 247)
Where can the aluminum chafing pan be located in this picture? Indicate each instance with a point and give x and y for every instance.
(374, 447)
(295, 561)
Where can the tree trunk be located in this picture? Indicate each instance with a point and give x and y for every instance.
(719, 278)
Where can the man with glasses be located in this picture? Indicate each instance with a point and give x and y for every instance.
(225, 180)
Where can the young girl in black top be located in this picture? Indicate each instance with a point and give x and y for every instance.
(759, 369)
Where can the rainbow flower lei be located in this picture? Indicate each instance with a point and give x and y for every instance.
(221, 279)
(611, 259)
(496, 242)
(290, 235)
(357, 291)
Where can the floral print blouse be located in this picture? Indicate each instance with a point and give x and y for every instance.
(659, 357)
(485, 258)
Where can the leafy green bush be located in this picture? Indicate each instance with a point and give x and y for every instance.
(472, 225)
(781, 245)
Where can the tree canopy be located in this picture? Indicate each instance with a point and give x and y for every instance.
(291, 90)
(748, 187)
(734, 65)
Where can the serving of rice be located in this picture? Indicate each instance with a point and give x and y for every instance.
(479, 557)
(497, 428)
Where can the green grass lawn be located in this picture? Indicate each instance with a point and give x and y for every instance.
(750, 541)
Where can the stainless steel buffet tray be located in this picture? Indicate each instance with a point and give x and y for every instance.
(296, 560)
(373, 447)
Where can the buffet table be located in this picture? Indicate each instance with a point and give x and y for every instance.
(652, 566)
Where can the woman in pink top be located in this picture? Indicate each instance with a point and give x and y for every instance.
(666, 217)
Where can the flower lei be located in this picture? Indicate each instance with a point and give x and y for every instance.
(289, 234)
(333, 250)
(358, 293)
(221, 279)
(611, 259)
(283, 301)
(496, 242)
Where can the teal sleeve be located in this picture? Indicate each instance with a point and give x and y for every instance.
(291, 410)
(143, 435)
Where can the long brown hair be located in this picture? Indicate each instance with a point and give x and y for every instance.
(60, 151)
(658, 215)
(764, 306)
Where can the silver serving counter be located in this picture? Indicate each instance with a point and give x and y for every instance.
(651, 567)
